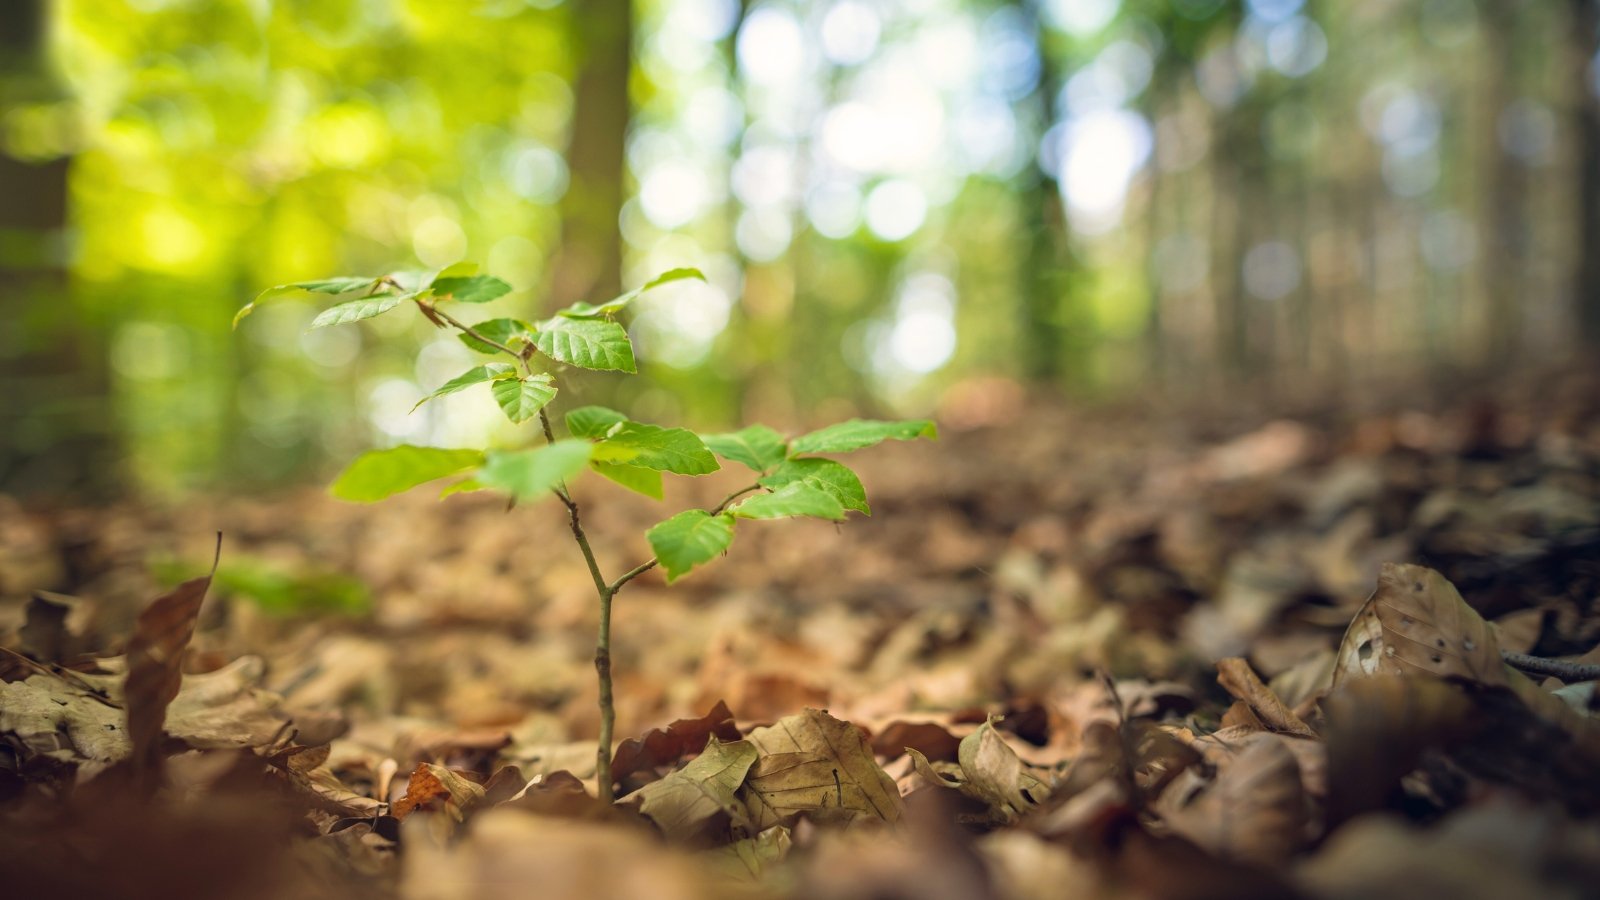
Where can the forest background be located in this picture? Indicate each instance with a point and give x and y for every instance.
(898, 203)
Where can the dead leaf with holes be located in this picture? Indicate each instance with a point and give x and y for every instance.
(1416, 623)
(816, 766)
(987, 770)
(698, 803)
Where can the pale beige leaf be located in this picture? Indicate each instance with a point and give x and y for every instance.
(687, 804)
(1255, 811)
(816, 765)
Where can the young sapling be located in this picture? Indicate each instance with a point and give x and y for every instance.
(791, 477)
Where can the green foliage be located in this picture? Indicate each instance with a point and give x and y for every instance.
(522, 398)
(611, 308)
(676, 450)
(634, 478)
(690, 539)
(504, 331)
(586, 343)
(356, 310)
(757, 446)
(326, 286)
(377, 474)
(593, 421)
(469, 288)
(835, 478)
(858, 434)
(797, 498)
(634, 455)
(472, 376)
(532, 473)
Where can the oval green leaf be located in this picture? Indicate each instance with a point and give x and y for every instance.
(586, 343)
(377, 474)
(690, 539)
(522, 398)
(529, 473)
(859, 433)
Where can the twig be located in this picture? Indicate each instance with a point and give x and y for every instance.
(1569, 672)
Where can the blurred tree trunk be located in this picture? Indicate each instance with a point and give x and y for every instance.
(54, 393)
(1583, 44)
(1503, 182)
(588, 265)
(1050, 352)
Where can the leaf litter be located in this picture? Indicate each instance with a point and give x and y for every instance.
(1221, 659)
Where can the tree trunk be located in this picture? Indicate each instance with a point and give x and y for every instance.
(1583, 44)
(53, 385)
(588, 265)
(1503, 182)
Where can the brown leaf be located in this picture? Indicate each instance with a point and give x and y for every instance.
(815, 765)
(1255, 811)
(698, 802)
(1416, 623)
(437, 788)
(665, 747)
(989, 772)
(1238, 679)
(155, 664)
(931, 740)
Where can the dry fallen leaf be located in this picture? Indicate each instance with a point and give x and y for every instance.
(815, 765)
(697, 803)
(988, 771)
(665, 746)
(1417, 623)
(1236, 676)
(437, 788)
(1255, 810)
(155, 665)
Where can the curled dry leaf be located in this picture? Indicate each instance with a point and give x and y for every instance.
(815, 765)
(437, 788)
(1416, 623)
(665, 746)
(1255, 810)
(1236, 676)
(990, 772)
(698, 802)
(155, 665)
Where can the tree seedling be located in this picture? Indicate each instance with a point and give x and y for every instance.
(792, 477)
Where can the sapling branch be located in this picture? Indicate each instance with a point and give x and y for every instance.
(587, 337)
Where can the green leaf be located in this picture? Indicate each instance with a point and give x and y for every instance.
(343, 285)
(356, 310)
(469, 288)
(456, 270)
(472, 376)
(503, 330)
(612, 307)
(799, 498)
(758, 447)
(587, 343)
(377, 474)
(634, 478)
(833, 477)
(689, 539)
(522, 398)
(858, 433)
(592, 421)
(464, 486)
(529, 473)
(676, 450)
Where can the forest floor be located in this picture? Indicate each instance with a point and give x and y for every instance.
(1110, 654)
